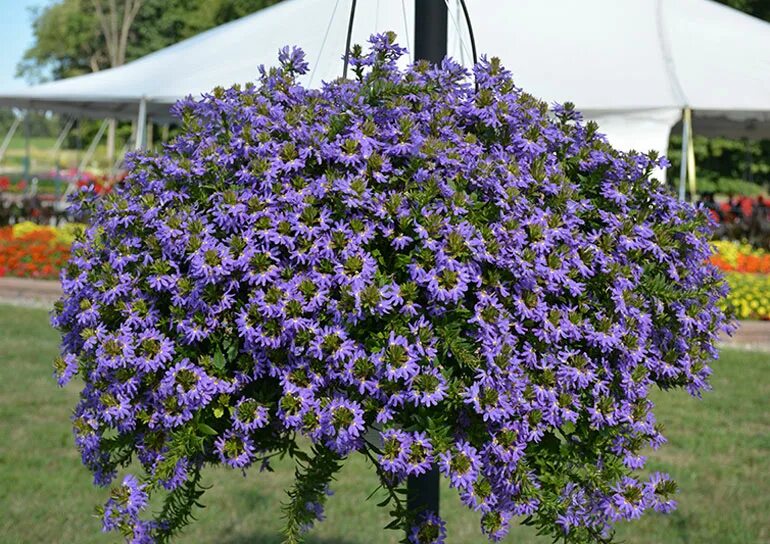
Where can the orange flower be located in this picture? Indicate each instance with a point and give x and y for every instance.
(35, 254)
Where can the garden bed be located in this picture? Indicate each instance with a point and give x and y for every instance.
(28, 250)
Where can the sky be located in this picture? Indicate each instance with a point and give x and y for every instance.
(16, 32)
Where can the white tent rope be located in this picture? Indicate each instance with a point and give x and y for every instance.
(406, 30)
(8, 136)
(376, 18)
(60, 140)
(87, 158)
(668, 58)
(122, 155)
(458, 28)
(92, 148)
(323, 42)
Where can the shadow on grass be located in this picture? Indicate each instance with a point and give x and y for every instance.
(681, 525)
(255, 500)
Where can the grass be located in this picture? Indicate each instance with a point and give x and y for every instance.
(42, 158)
(719, 452)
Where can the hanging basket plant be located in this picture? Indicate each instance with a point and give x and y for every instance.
(414, 265)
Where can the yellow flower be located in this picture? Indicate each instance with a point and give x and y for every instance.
(749, 295)
(64, 234)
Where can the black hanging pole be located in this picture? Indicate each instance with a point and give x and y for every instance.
(430, 43)
(430, 30)
(422, 492)
(347, 41)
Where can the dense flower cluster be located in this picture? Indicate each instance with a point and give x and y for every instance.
(407, 265)
(740, 257)
(9, 186)
(35, 251)
(749, 296)
(747, 271)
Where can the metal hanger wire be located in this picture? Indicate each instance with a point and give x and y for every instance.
(347, 41)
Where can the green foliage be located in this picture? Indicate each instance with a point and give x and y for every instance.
(178, 506)
(40, 125)
(755, 8)
(67, 42)
(313, 475)
(723, 165)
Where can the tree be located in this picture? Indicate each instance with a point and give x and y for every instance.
(756, 8)
(74, 37)
(71, 38)
(725, 166)
(115, 20)
(67, 42)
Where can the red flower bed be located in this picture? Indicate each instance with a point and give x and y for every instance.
(32, 255)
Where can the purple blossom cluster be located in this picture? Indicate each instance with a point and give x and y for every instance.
(428, 529)
(437, 260)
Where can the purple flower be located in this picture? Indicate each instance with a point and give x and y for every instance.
(428, 529)
(427, 388)
(398, 358)
(627, 501)
(419, 457)
(345, 422)
(249, 415)
(461, 465)
(235, 449)
(124, 504)
(188, 384)
(65, 367)
(395, 451)
(660, 490)
(423, 248)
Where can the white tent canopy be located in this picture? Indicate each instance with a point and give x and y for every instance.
(632, 65)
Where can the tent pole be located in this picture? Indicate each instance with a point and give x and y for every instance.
(60, 140)
(691, 158)
(150, 134)
(685, 152)
(92, 148)
(8, 136)
(141, 125)
(120, 158)
(87, 157)
(27, 158)
(78, 140)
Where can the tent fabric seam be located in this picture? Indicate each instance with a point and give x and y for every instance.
(668, 57)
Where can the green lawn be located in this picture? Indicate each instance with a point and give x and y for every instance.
(719, 451)
(42, 158)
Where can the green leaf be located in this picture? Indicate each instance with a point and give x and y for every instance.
(568, 427)
(219, 360)
(232, 351)
(207, 430)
